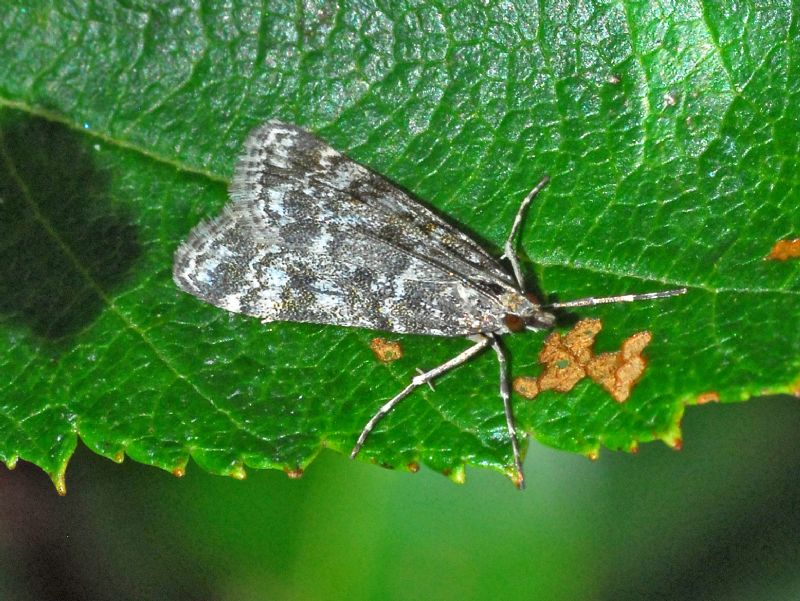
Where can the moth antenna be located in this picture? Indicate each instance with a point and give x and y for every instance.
(508, 249)
(622, 298)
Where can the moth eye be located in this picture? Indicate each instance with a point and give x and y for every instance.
(514, 322)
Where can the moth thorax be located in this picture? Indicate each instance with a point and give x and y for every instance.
(523, 312)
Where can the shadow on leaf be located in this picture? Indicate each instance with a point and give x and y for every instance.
(63, 243)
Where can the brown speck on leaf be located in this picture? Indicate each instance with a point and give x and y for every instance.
(179, 471)
(569, 358)
(386, 350)
(294, 474)
(413, 467)
(785, 249)
(712, 396)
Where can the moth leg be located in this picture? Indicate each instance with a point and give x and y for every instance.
(481, 342)
(430, 384)
(505, 393)
(508, 250)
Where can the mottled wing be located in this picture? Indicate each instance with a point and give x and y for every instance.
(311, 236)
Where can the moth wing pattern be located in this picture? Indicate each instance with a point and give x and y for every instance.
(289, 153)
(311, 236)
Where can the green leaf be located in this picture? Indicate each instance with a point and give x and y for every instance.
(671, 134)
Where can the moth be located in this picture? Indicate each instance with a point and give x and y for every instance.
(311, 236)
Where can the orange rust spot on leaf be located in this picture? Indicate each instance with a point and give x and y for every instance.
(179, 471)
(618, 372)
(569, 358)
(294, 474)
(386, 350)
(413, 467)
(785, 249)
(580, 339)
(565, 356)
(526, 386)
(712, 396)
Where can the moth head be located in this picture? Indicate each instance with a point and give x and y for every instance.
(528, 315)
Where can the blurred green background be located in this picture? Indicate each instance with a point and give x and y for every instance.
(718, 520)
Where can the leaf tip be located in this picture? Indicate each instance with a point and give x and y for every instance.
(58, 478)
(516, 478)
(711, 396)
(673, 439)
(237, 471)
(294, 473)
(457, 474)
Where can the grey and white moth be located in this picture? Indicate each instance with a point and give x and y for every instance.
(311, 236)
